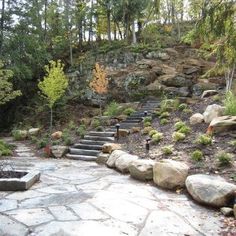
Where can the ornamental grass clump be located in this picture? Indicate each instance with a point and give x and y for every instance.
(167, 150)
(204, 139)
(152, 132)
(156, 138)
(164, 121)
(177, 136)
(224, 158)
(230, 104)
(197, 155)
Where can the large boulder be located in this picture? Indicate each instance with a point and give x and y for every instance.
(222, 124)
(142, 169)
(113, 157)
(33, 131)
(177, 81)
(196, 119)
(203, 85)
(210, 190)
(110, 147)
(181, 92)
(170, 174)
(58, 151)
(123, 162)
(212, 111)
(208, 93)
(56, 135)
(102, 158)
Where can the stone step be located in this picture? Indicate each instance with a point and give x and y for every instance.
(138, 119)
(98, 138)
(81, 157)
(84, 152)
(101, 134)
(92, 142)
(87, 146)
(131, 121)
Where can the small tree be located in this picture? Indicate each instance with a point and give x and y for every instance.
(99, 83)
(7, 93)
(53, 86)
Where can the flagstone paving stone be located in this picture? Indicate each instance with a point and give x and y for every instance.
(86, 199)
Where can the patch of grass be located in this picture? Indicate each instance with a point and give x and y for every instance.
(95, 123)
(164, 121)
(233, 143)
(165, 114)
(128, 111)
(224, 158)
(146, 130)
(167, 150)
(178, 125)
(197, 155)
(71, 125)
(187, 111)
(42, 143)
(112, 109)
(5, 148)
(152, 132)
(204, 139)
(99, 128)
(230, 104)
(157, 137)
(182, 106)
(169, 104)
(19, 135)
(147, 119)
(185, 130)
(81, 131)
(177, 136)
(146, 124)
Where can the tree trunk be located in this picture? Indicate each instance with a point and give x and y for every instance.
(134, 33)
(109, 25)
(2, 26)
(50, 127)
(45, 19)
(91, 23)
(229, 75)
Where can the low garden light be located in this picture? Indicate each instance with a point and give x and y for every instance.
(117, 131)
(147, 144)
(145, 113)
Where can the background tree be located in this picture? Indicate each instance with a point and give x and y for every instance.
(53, 86)
(7, 93)
(99, 83)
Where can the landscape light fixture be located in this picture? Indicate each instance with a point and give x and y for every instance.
(117, 131)
(145, 113)
(147, 144)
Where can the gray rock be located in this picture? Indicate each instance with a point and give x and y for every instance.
(170, 174)
(223, 123)
(182, 92)
(208, 93)
(124, 161)
(113, 157)
(142, 169)
(210, 190)
(102, 158)
(196, 119)
(58, 151)
(227, 211)
(177, 81)
(33, 131)
(199, 87)
(212, 111)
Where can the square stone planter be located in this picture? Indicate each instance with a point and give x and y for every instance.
(18, 180)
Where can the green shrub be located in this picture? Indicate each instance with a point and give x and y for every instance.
(128, 111)
(224, 158)
(152, 132)
(167, 150)
(112, 109)
(233, 143)
(197, 155)
(99, 128)
(178, 125)
(147, 119)
(164, 115)
(187, 111)
(42, 143)
(157, 113)
(204, 139)
(182, 106)
(68, 141)
(177, 136)
(81, 131)
(157, 137)
(164, 121)
(230, 104)
(185, 130)
(5, 149)
(169, 104)
(95, 123)
(33, 139)
(19, 135)
(72, 125)
(146, 130)
(146, 124)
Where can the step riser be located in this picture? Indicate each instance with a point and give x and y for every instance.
(84, 152)
(91, 142)
(97, 138)
(101, 134)
(131, 121)
(89, 147)
(81, 158)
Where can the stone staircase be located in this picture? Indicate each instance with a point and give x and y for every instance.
(91, 145)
